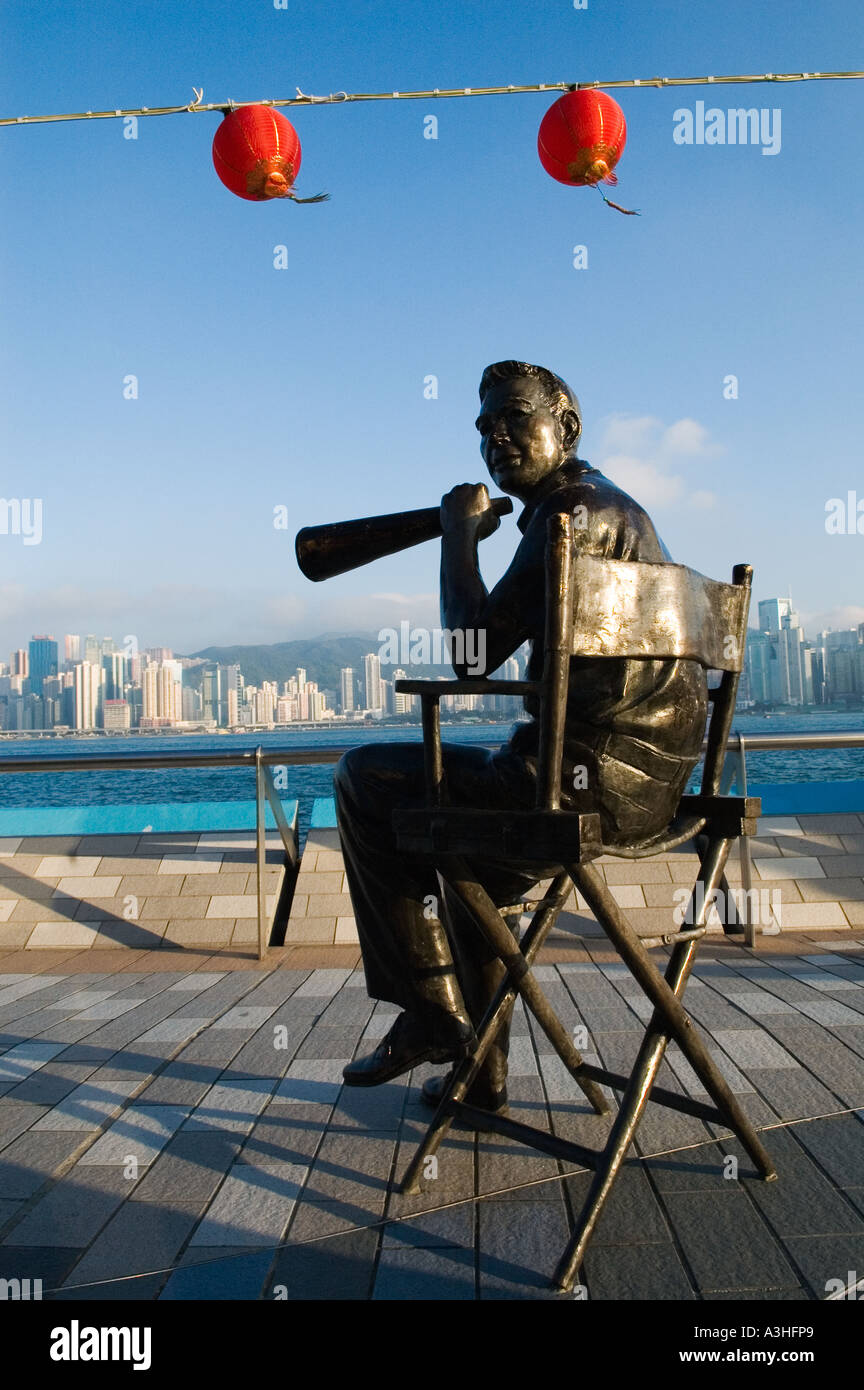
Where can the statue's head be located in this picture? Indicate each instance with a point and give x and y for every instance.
(529, 422)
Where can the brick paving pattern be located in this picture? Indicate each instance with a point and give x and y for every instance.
(173, 1126)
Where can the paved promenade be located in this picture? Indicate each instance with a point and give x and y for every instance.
(173, 1126)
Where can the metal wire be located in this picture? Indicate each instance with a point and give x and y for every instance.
(337, 98)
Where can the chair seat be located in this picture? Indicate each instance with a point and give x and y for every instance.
(530, 837)
(723, 815)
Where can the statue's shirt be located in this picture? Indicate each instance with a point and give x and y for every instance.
(638, 725)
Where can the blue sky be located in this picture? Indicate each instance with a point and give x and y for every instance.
(304, 387)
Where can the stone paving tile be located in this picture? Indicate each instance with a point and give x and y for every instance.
(30, 1160)
(633, 1216)
(21, 1061)
(837, 1145)
(191, 1166)
(750, 1047)
(802, 1202)
(270, 1051)
(75, 1210)
(324, 1041)
(823, 1260)
(89, 1105)
(338, 1269)
(231, 1105)
(321, 984)
(758, 1003)
(28, 1262)
(279, 1136)
(352, 1170)
(314, 1079)
(322, 1220)
(793, 1094)
(196, 982)
(425, 1275)
(232, 1278)
(518, 1255)
(141, 1132)
(829, 1011)
(253, 1206)
(243, 1018)
(209, 1049)
(16, 1116)
(441, 1229)
(51, 1083)
(611, 1274)
(723, 1244)
(136, 1240)
(369, 1108)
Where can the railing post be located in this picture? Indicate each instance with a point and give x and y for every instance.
(261, 851)
(747, 921)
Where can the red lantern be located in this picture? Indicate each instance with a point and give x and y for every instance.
(581, 138)
(256, 153)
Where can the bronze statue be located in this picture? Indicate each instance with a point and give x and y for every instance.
(633, 734)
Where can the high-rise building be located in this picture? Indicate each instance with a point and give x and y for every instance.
(376, 697)
(771, 613)
(86, 695)
(503, 704)
(213, 695)
(72, 648)
(20, 663)
(42, 661)
(116, 715)
(346, 689)
(163, 691)
(778, 663)
(403, 704)
(115, 675)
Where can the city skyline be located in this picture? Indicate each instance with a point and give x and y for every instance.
(96, 685)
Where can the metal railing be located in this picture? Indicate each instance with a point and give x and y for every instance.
(265, 790)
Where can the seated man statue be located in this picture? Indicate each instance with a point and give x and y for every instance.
(633, 735)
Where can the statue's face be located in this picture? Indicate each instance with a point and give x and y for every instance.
(521, 440)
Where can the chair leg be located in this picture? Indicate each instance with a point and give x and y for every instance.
(630, 1112)
(498, 1012)
(488, 919)
(665, 999)
(668, 1020)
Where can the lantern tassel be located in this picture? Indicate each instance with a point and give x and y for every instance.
(628, 212)
(319, 198)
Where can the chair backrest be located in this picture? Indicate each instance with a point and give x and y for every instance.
(633, 610)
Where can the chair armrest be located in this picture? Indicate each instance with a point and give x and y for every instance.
(473, 687)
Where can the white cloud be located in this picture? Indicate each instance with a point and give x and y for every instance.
(837, 619)
(188, 618)
(643, 456)
(644, 481)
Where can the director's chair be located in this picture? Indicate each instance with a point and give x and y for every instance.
(616, 610)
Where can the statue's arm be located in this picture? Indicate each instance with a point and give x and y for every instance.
(501, 620)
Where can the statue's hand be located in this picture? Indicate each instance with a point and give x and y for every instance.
(468, 506)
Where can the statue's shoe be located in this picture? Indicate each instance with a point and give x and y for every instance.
(481, 1094)
(406, 1046)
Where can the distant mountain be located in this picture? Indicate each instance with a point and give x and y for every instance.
(321, 657)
